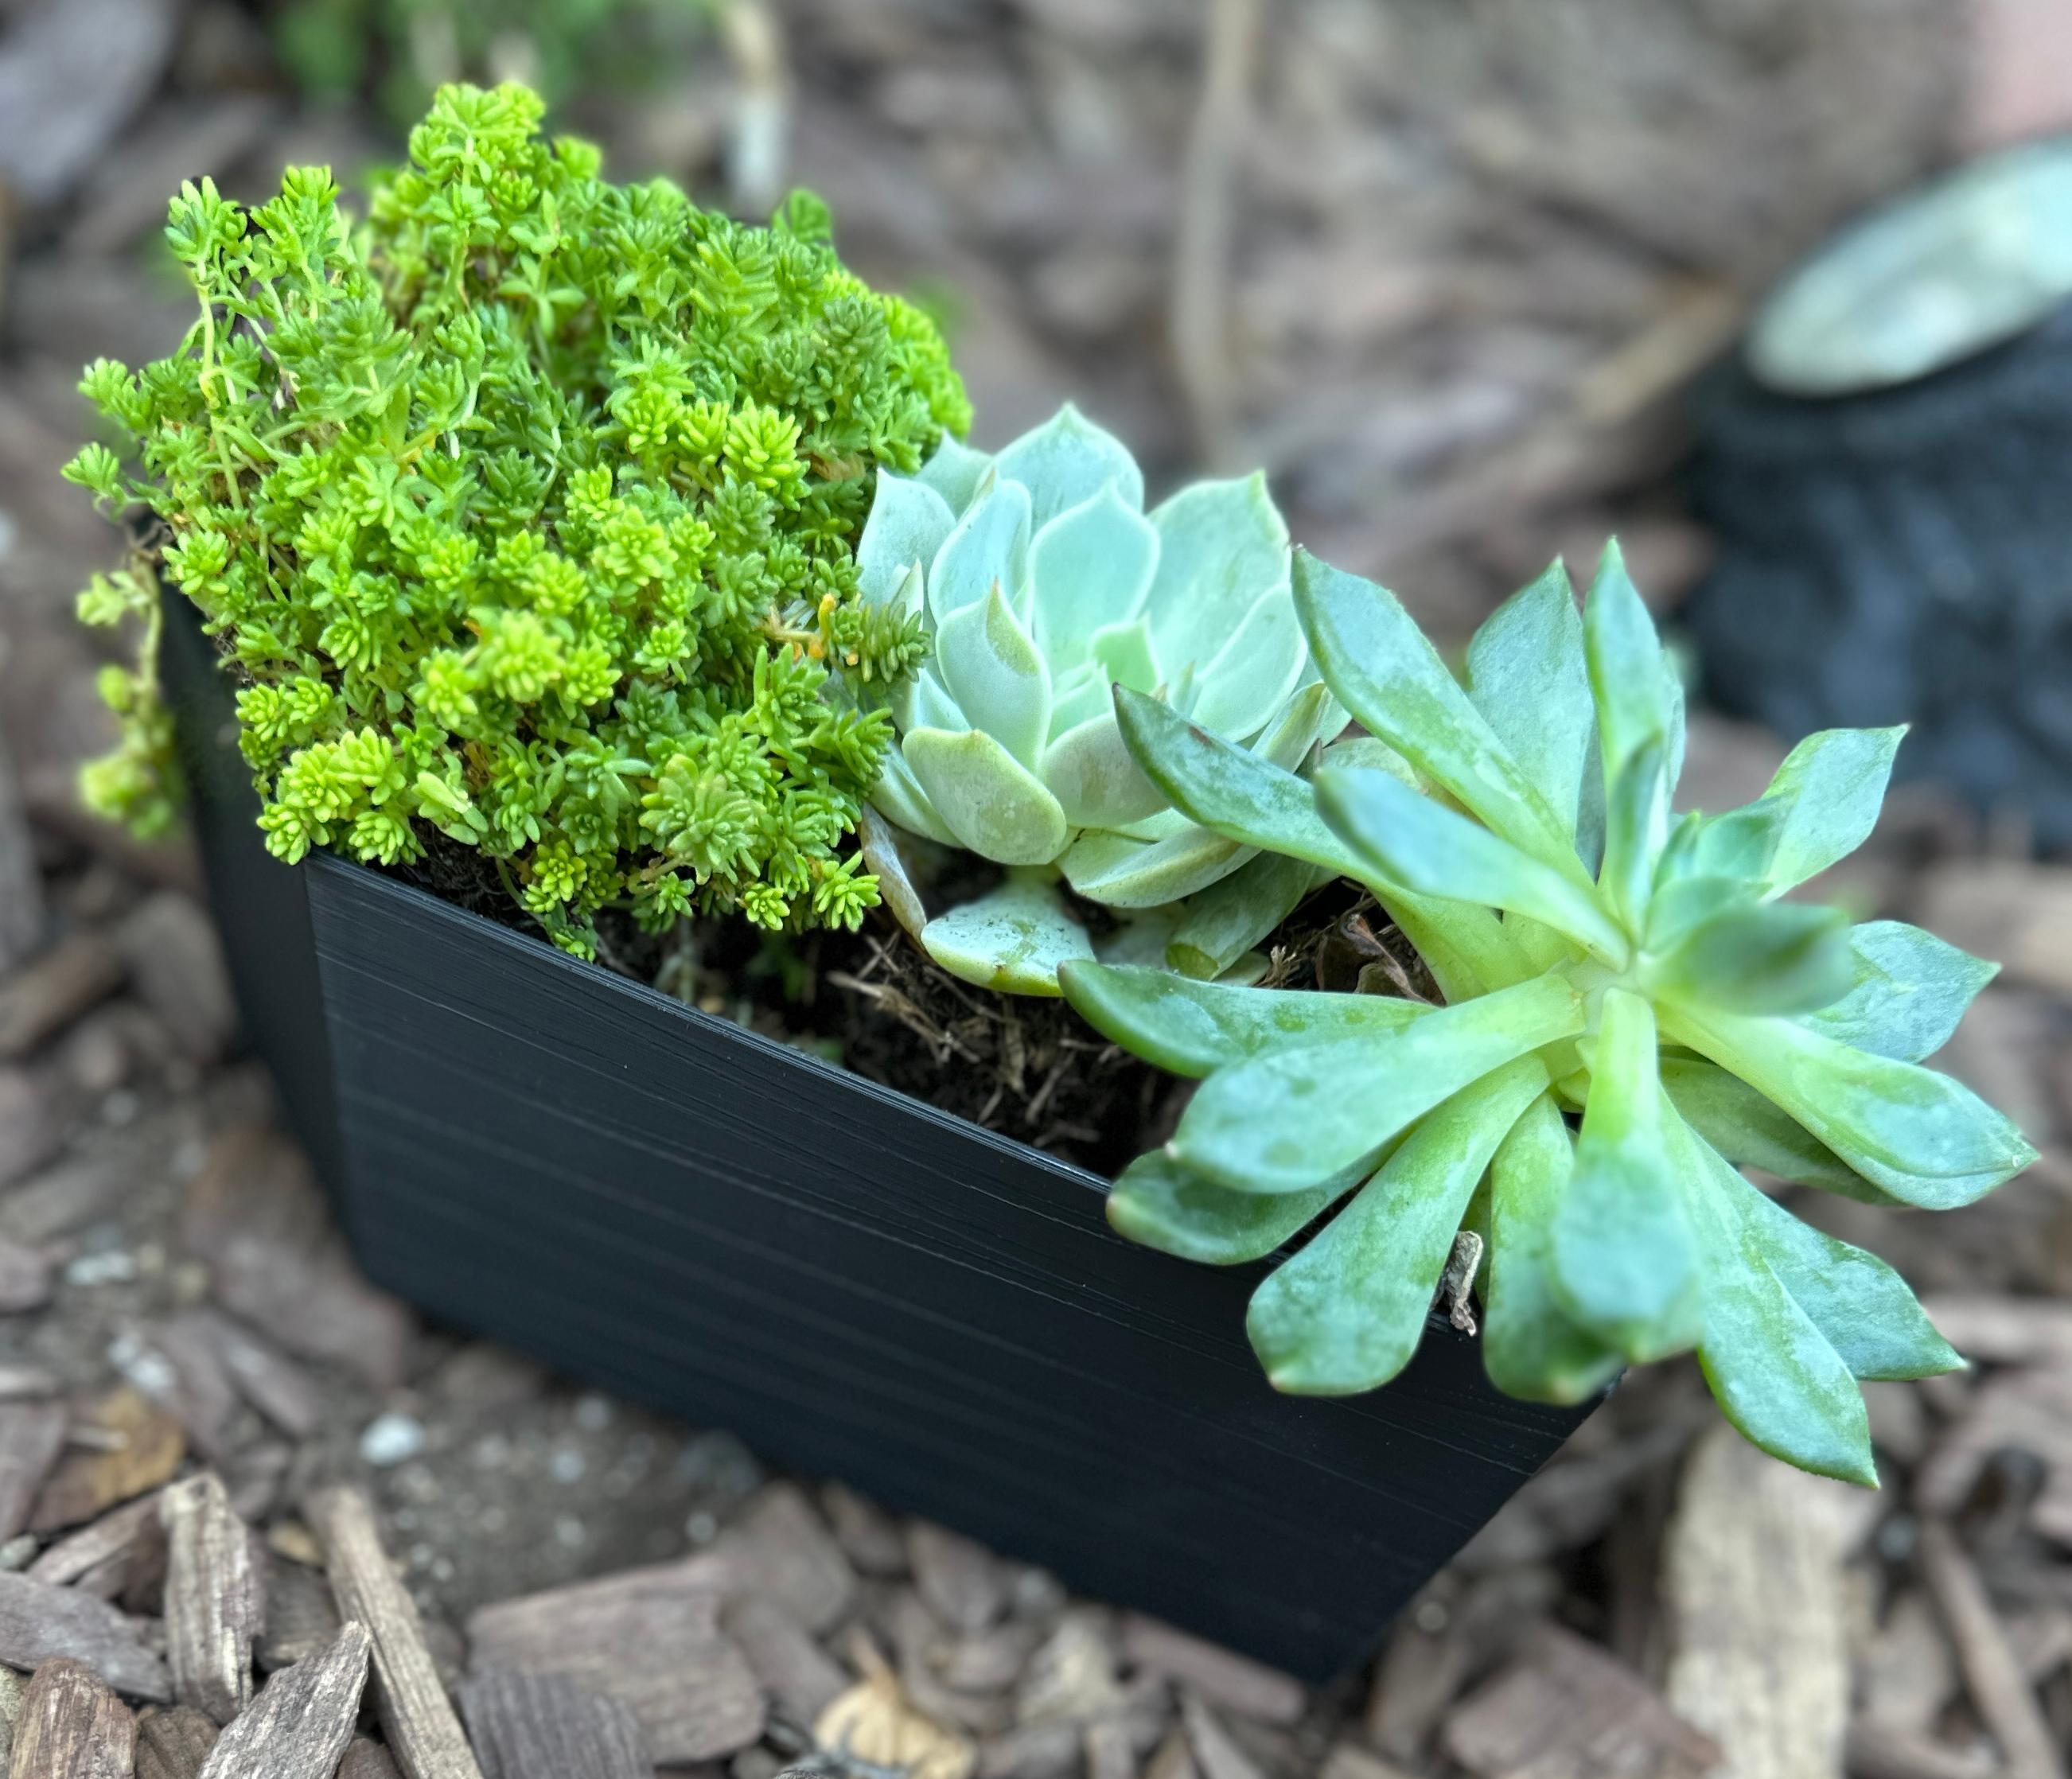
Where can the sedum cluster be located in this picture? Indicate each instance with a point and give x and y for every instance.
(1044, 586)
(525, 512)
(1631, 1013)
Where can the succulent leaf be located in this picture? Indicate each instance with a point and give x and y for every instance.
(1158, 1202)
(1049, 590)
(1596, 957)
(1226, 919)
(1012, 939)
(1345, 1312)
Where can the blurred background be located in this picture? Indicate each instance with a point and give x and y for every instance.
(1473, 280)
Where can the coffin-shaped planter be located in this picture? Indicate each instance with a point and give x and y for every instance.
(857, 1283)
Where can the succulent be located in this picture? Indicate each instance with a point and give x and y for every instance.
(525, 512)
(1631, 1013)
(1045, 585)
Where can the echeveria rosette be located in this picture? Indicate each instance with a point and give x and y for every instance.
(1044, 585)
(1632, 1012)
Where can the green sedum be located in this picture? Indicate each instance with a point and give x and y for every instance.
(1043, 585)
(1632, 1012)
(525, 512)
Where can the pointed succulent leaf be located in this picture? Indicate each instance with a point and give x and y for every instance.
(1531, 1347)
(1925, 1138)
(1636, 826)
(993, 668)
(1221, 545)
(1157, 1202)
(1256, 673)
(1088, 568)
(1679, 906)
(1089, 772)
(987, 548)
(1068, 460)
(987, 798)
(1293, 1117)
(1246, 798)
(1752, 1132)
(1127, 654)
(1191, 1028)
(1625, 1264)
(955, 472)
(1528, 676)
(1760, 957)
(1776, 1376)
(898, 795)
(878, 840)
(1832, 786)
(1077, 696)
(1630, 678)
(1346, 1313)
(1228, 919)
(1139, 937)
(908, 522)
(1740, 844)
(1381, 667)
(1410, 839)
(921, 700)
(1908, 992)
(1862, 1308)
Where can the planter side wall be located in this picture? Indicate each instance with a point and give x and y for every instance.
(864, 1286)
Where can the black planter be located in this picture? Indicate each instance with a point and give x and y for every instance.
(856, 1283)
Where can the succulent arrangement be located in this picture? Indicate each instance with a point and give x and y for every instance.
(525, 511)
(1043, 585)
(1632, 1011)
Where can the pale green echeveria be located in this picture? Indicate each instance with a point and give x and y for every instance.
(1046, 586)
(1631, 1013)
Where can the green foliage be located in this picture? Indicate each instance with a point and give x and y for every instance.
(1631, 1013)
(525, 514)
(1043, 584)
(401, 50)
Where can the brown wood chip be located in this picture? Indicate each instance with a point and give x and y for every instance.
(38, 1622)
(1564, 1709)
(416, 1716)
(1997, 1685)
(213, 1602)
(45, 996)
(301, 1616)
(367, 1759)
(176, 967)
(650, 1638)
(106, 1549)
(146, 1445)
(781, 1549)
(1234, 1682)
(72, 1727)
(801, 1677)
(172, 1744)
(868, 1535)
(964, 1584)
(273, 1383)
(203, 1396)
(299, 1725)
(31, 1436)
(1349, 1760)
(1216, 1751)
(13, 1688)
(546, 1727)
(1752, 1574)
(25, 1278)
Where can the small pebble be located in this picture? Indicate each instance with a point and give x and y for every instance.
(567, 1464)
(391, 1439)
(593, 1412)
(702, 1527)
(570, 1531)
(17, 1553)
(114, 1267)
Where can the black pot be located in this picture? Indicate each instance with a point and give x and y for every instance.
(858, 1284)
